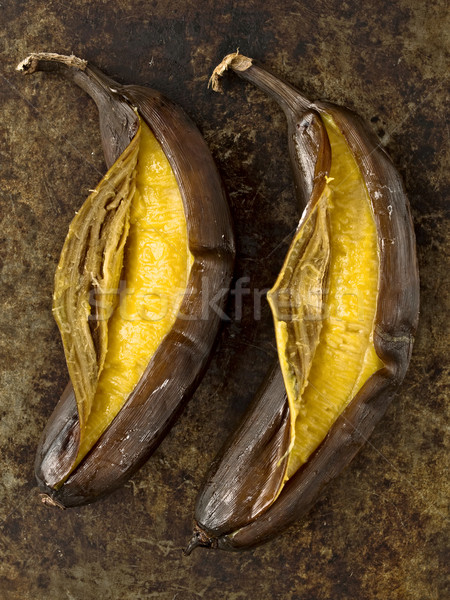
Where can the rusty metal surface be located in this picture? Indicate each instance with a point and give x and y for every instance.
(379, 531)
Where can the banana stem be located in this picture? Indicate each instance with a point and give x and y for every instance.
(289, 99)
(121, 123)
(71, 67)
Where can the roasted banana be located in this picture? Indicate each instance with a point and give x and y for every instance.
(345, 308)
(136, 329)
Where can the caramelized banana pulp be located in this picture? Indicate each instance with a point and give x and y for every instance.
(157, 264)
(324, 304)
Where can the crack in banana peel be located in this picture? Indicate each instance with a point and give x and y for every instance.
(88, 274)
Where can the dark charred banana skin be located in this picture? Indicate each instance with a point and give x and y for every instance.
(178, 365)
(220, 521)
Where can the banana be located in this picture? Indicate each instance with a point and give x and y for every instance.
(136, 330)
(345, 308)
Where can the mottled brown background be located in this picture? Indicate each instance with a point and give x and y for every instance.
(379, 530)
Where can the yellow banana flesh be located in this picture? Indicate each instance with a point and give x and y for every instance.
(157, 263)
(325, 341)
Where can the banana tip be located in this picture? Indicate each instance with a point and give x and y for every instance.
(235, 61)
(49, 501)
(199, 538)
